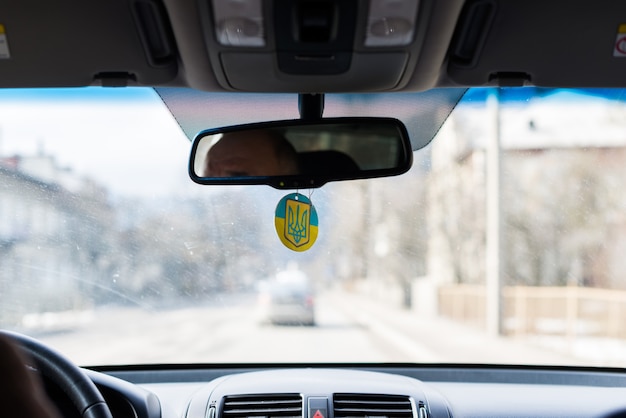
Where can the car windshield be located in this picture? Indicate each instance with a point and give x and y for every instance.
(503, 244)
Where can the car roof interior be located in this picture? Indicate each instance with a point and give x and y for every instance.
(455, 43)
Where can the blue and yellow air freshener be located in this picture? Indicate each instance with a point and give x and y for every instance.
(296, 222)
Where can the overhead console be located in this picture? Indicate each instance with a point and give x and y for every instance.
(493, 44)
(333, 45)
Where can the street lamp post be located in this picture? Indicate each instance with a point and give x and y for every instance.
(494, 219)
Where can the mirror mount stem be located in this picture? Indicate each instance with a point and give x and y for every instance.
(311, 106)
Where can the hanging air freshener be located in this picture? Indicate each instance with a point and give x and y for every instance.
(296, 222)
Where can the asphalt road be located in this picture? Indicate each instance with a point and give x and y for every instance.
(348, 329)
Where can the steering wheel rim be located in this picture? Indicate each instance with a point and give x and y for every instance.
(69, 378)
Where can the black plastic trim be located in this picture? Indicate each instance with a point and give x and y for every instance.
(471, 34)
(155, 32)
(559, 375)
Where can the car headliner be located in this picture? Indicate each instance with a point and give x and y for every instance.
(476, 43)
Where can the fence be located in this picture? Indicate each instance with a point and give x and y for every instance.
(568, 311)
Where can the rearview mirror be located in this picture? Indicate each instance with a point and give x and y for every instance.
(301, 153)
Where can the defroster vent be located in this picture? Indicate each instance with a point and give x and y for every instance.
(364, 405)
(269, 406)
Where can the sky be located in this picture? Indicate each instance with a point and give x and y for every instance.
(553, 119)
(97, 135)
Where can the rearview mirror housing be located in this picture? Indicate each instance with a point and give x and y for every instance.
(299, 153)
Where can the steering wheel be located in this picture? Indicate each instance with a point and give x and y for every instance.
(67, 376)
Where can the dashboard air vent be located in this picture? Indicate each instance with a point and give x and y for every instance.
(266, 406)
(347, 405)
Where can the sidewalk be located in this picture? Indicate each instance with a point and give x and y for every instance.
(439, 340)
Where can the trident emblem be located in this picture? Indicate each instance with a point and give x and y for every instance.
(297, 225)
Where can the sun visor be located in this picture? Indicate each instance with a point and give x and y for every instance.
(69, 43)
(493, 43)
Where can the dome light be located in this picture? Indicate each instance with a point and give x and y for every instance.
(391, 22)
(239, 23)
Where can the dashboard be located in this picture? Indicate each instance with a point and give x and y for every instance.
(360, 391)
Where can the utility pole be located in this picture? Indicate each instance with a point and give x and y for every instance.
(494, 218)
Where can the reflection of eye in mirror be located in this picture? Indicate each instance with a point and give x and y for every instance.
(301, 153)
